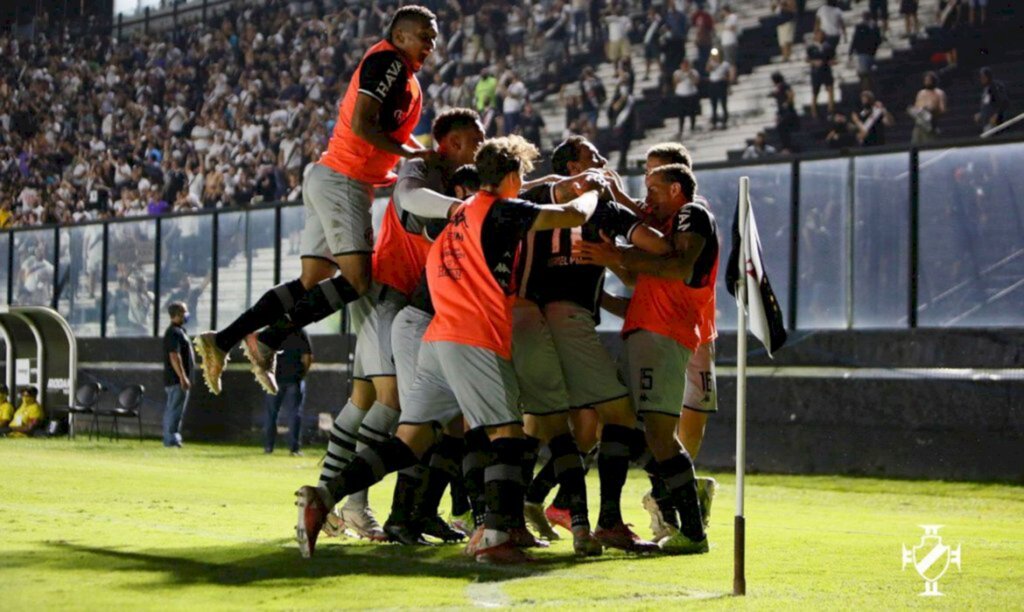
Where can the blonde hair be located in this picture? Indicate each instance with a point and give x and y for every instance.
(497, 157)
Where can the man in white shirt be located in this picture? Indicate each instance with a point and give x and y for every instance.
(730, 39)
(512, 106)
(829, 19)
(618, 35)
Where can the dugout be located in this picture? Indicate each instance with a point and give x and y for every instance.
(41, 351)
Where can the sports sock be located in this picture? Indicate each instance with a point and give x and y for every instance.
(542, 484)
(571, 477)
(408, 485)
(370, 465)
(530, 458)
(441, 466)
(613, 467)
(504, 489)
(375, 429)
(678, 475)
(457, 490)
(479, 455)
(323, 300)
(661, 494)
(267, 310)
(341, 447)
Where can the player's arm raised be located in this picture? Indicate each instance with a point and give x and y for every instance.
(573, 213)
(416, 197)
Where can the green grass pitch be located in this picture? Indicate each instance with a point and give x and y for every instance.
(98, 525)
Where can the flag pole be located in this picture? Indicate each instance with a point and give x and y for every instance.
(739, 579)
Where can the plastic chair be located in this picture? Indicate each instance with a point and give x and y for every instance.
(129, 404)
(87, 397)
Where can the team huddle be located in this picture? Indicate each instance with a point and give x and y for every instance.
(478, 346)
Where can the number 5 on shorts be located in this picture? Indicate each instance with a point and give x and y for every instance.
(646, 378)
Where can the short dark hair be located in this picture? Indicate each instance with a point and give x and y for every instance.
(497, 157)
(673, 152)
(567, 151)
(31, 391)
(175, 309)
(3, 389)
(411, 13)
(678, 173)
(466, 177)
(451, 120)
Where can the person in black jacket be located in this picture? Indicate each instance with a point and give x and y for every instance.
(866, 40)
(994, 101)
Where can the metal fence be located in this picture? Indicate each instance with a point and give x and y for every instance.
(890, 240)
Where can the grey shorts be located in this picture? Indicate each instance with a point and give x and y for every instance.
(374, 356)
(590, 374)
(338, 219)
(664, 376)
(541, 386)
(455, 379)
(406, 338)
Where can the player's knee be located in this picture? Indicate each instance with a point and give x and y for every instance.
(386, 389)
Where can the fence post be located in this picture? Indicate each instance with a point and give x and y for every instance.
(157, 271)
(174, 20)
(10, 267)
(120, 25)
(794, 242)
(214, 280)
(145, 25)
(103, 281)
(56, 266)
(204, 12)
(277, 245)
(912, 267)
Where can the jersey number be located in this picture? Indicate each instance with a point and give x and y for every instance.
(563, 247)
(646, 378)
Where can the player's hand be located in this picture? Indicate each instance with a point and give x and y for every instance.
(590, 181)
(597, 253)
(185, 384)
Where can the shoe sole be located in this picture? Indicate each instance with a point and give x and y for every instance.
(301, 536)
(258, 371)
(204, 352)
(658, 527)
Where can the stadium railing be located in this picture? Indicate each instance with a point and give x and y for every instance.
(888, 238)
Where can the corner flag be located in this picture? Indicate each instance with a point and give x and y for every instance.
(761, 305)
(754, 295)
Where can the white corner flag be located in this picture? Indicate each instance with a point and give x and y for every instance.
(754, 295)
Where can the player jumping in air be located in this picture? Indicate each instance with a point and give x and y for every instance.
(374, 130)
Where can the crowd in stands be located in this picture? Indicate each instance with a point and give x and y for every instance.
(232, 111)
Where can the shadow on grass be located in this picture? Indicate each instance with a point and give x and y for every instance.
(231, 566)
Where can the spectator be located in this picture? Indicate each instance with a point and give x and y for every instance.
(758, 148)
(618, 35)
(978, 12)
(580, 10)
(929, 105)
(515, 96)
(871, 120)
(293, 364)
(685, 83)
(29, 415)
(995, 100)
(908, 8)
(6, 408)
(821, 55)
(718, 88)
(866, 40)
(178, 363)
(593, 94)
(785, 28)
(651, 34)
(786, 119)
(622, 118)
(531, 125)
(829, 19)
(879, 11)
(730, 40)
(840, 132)
(704, 37)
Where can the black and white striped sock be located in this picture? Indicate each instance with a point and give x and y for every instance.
(375, 429)
(342, 445)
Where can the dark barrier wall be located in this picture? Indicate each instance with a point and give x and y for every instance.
(917, 403)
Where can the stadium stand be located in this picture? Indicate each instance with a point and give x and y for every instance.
(162, 116)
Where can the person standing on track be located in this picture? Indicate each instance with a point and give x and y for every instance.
(376, 119)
